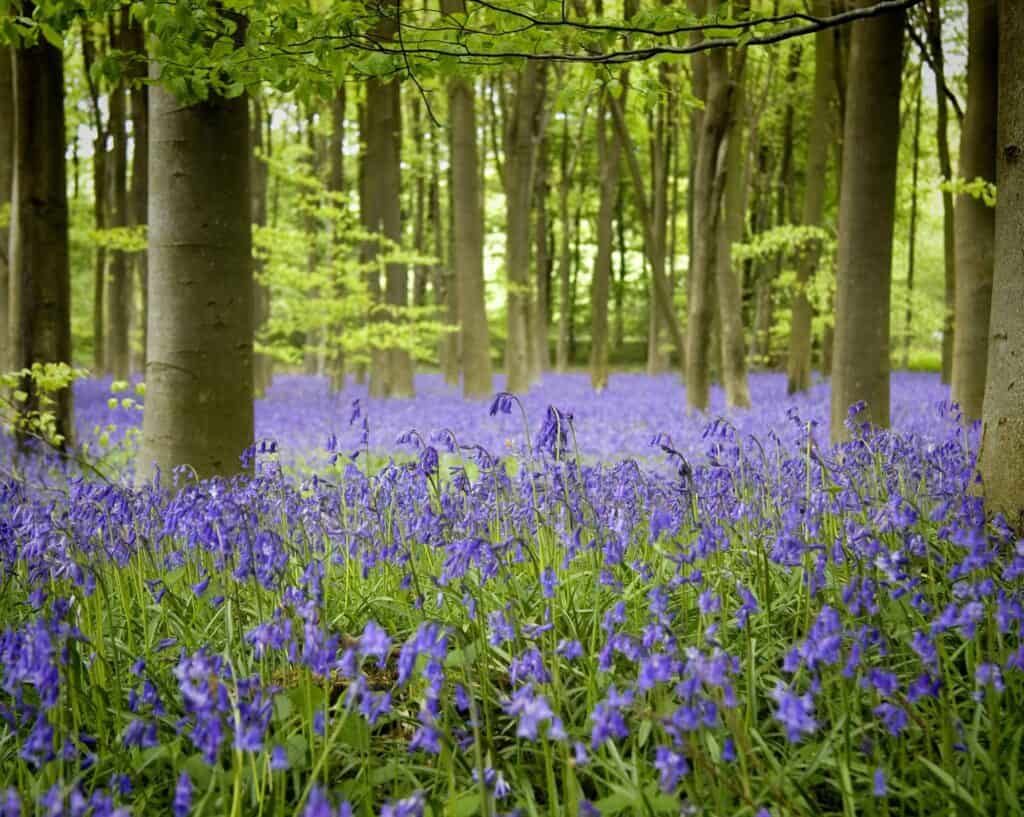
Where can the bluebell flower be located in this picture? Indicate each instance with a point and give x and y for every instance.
(182, 803)
(672, 766)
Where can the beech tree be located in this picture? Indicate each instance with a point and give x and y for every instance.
(6, 179)
(39, 264)
(1001, 460)
(860, 364)
(199, 366)
(974, 220)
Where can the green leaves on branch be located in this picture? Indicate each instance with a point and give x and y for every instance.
(28, 400)
(122, 239)
(980, 189)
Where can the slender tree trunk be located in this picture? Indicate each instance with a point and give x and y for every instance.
(975, 221)
(468, 236)
(446, 287)
(608, 150)
(118, 279)
(946, 171)
(727, 282)
(313, 351)
(139, 96)
(867, 205)
(40, 278)
(199, 371)
(708, 184)
(419, 220)
(908, 326)
(262, 364)
(619, 331)
(336, 185)
(567, 164)
(99, 183)
(1001, 460)
(577, 265)
(541, 261)
(6, 179)
(818, 142)
(521, 139)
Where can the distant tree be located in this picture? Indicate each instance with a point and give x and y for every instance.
(6, 179)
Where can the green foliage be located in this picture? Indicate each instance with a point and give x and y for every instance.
(980, 189)
(317, 268)
(28, 400)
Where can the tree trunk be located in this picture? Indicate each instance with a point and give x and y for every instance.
(6, 178)
(139, 182)
(1002, 436)
(727, 283)
(99, 183)
(118, 279)
(262, 364)
(567, 164)
(946, 171)
(864, 275)
(541, 261)
(468, 237)
(336, 184)
(708, 185)
(199, 371)
(974, 221)
(446, 287)
(40, 278)
(619, 331)
(521, 139)
(608, 149)
(912, 227)
(818, 142)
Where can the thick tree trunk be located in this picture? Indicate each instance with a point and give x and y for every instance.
(521, 139)
(6, 179)
(468, 239)
(946, 171)
(119, 289)
(262, 364)
(40, 278)
(973, 219)
(1002, 437)
(199, 371)
(818, 142)
(864, 276)
(139, 183)
(727, 282)
(608, 149)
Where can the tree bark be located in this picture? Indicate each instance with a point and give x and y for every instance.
(139, 96)
(1001, 459)
(608, 149)
(541, 261)
(336, 185)
(818, 141)
(938, 64)
(262, 364)
(468, 237)
(6, 179)
(864, 275)
(199, 371)
(708, 185)
(908, 317)
(727, 283)
(40, 277)
(974, 221)
(119, 290)
(99, 183)
(521, 139)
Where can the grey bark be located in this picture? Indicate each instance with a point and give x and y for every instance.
(860, 366)
(40, 278)
(1002, 435)
(99, 182)
(820, 131)
(908, 325)
(139, 96)
(522, 136)
(727, 282)
(262, 363)
(609, 147)
(938, 64)
(541, 262)
(468, 238)
(974, 221)
(199, 371)
(336, 184)
(119, 289)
